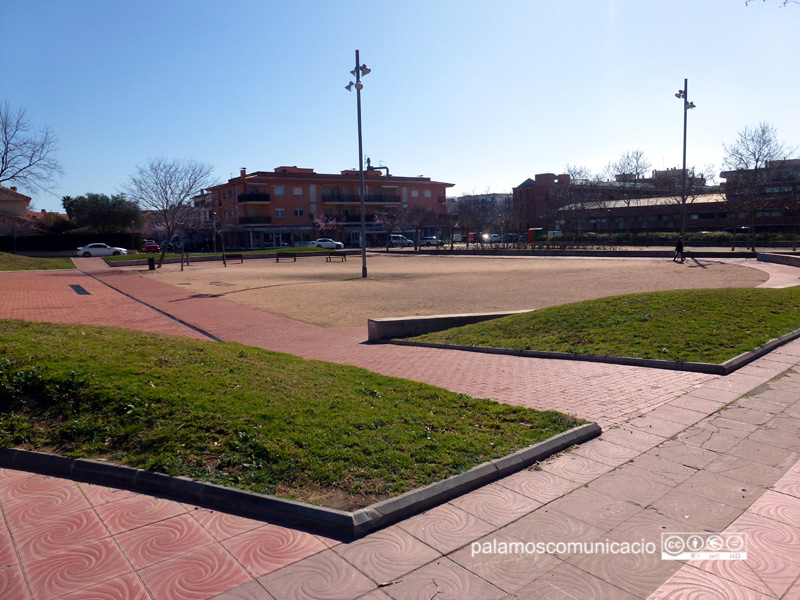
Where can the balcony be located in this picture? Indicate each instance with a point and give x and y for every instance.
(354, 199)
(253, 197)
(262, 220)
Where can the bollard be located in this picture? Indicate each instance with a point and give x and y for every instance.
(151, 263)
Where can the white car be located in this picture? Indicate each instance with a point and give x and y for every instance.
(327, 243)
(100, 250)
(432, 241)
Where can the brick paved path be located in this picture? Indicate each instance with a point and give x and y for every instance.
(670, 462)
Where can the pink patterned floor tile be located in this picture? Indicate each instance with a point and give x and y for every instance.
(44, 505)
(575, 467)
(567, 582)
(324, 576)
(19, 485)
(98, 494)
(127, 587)
(778, 507)
(252, 590)
(693, 583)
(443, 580)
(60, 533)
(12, 584)
(7, 554)
(769, 536)
(496, 504)
(197, 575)
(762, 572)
(387, 554)
(606, 452)
(271, 547)
(76, 568)
(539, 485)
(446, 527)
(157, 542)
(223, 525)
(789, 484)
(137, 511)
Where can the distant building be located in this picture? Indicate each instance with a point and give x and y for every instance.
(12, 203)
(271, 208)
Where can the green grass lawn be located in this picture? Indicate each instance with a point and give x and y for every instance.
(244, 417)
(680, 325)
(17, 262)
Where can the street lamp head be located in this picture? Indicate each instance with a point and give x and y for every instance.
(359, 86)
(365, 70)
(689, 105)
(349, 86)
(679, 94)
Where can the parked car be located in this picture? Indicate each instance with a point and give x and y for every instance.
(327, 243)
(150, 246)
(100, 250)
(432, 241)
(401, 240)
(494, 238)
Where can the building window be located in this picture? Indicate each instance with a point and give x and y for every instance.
(298, 212)
(428, 193)
(280, 212)
(298, 191)
(415, 193)
(278, 190)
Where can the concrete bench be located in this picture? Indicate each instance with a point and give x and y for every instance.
(331, 255)
(285, 256)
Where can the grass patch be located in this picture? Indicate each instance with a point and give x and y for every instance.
(245, 417)
(680, 325)
(16, 262)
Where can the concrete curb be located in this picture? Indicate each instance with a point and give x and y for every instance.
(726, 368)
(317, 519)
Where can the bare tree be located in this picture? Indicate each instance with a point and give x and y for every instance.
(166, 187)
(746, 159)
(389, 218)
(696, 186)
(417, 217)
(27, 157)
(628, 171)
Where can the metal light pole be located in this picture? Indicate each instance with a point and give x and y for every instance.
(357, 73)
(684, 95)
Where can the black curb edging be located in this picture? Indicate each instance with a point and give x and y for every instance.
(331, 522)
(726, 368)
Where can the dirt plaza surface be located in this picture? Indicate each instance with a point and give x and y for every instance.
(333, 294)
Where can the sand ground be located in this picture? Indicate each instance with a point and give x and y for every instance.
(333, 294)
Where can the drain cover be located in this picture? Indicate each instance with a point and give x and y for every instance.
(79, 289)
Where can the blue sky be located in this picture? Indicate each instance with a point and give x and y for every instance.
(479, 94)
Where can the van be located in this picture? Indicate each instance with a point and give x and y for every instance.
(401, 240)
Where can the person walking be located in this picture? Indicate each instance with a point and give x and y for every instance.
(678, 250)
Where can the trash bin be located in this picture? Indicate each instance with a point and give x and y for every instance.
(151, 263)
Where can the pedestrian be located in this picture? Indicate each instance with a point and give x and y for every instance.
(678, 250)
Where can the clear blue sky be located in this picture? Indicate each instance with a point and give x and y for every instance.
(475, 93)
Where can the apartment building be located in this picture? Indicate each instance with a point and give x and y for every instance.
(290, 204)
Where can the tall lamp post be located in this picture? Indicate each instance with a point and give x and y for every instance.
(684, 95)
(357, 73)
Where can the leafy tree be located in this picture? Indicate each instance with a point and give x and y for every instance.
(27, 157)
(103, 213)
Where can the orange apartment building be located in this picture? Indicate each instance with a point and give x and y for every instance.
(271, 208)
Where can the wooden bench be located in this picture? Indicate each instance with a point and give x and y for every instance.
(234, 257)
(285, 255)
(331, 255)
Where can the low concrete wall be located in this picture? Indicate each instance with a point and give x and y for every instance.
(400, 327)
(784, 259)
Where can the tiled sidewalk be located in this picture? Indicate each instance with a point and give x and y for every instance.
(669, 460)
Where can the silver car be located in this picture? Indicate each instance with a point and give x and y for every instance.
(100, 250)
(327, 243)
